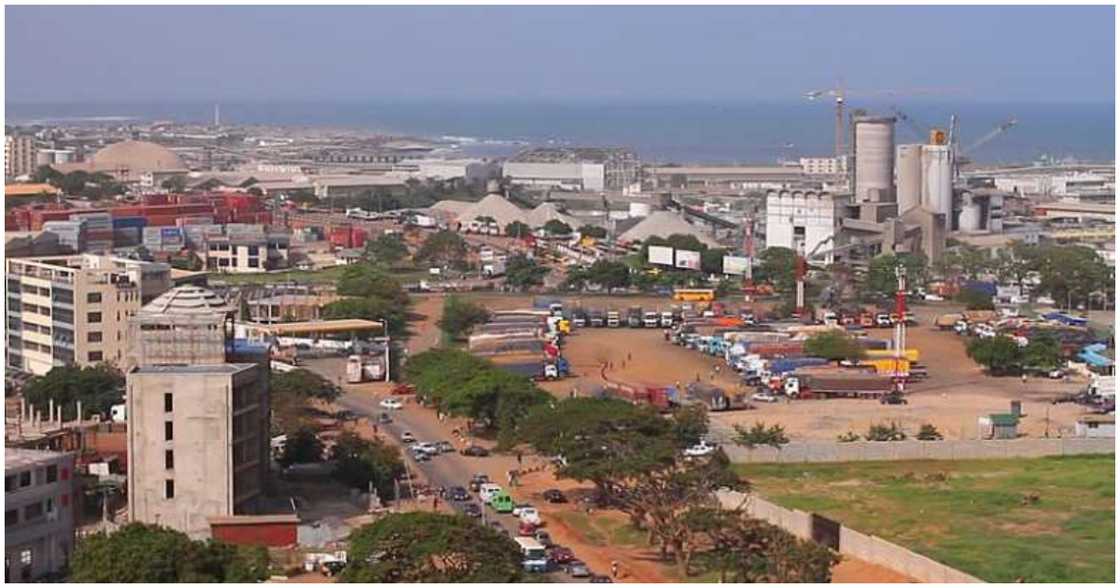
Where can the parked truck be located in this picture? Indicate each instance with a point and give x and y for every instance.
(596, 318)
(634, 317)
(809, 385)
(714, 397)
(614, 319)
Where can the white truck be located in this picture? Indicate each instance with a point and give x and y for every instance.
(1103, 387)
(534, 557)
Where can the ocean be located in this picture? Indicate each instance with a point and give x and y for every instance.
(679, 132)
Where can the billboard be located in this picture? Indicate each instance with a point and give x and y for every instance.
(661, 255)
(688, 259)
(735, 265)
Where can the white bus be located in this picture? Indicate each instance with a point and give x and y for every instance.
(534, 558)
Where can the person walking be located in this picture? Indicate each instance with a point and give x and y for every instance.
(518, 460)
(614, 569)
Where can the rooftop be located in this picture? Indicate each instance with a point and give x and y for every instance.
(330, 326)
(217, 368)
(187, 300)
(20, 458)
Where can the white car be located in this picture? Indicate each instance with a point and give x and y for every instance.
(407, 438)
(763, 397)
(391, 404)
(530, 515)
(518, 508)
(700, 449)
(427, 447)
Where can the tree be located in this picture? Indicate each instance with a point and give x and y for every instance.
(711, 261)
(609, 274)
(773, 436)
(777, 265)
(1000, 354)
(98, 388)
(523, 272)
(139, 553)
(361, 462)
(975, 299)
(593, 232)
(1070, 274)
(888, 432)
(303, 383)
(557, 227)
(387, 249)
(968, 261)
(929, 432)
(443, 248)
(833, 345)
(518, 229)
(459, 316)
(1043, 352)
(46, 174)
(431, 547)
(881, 276)
(302, 446)
(690, 424)
(373, 295)
(752, 551)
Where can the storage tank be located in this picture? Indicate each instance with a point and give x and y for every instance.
(970, 214)
(639, 209)
(937, 179)
(908, 186)
(874, 145)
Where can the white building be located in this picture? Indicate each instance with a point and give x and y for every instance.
(574, 176)
(40, 509)
(802, 220)
(1096, 426)
(19, 155)
(246, 249)
(824, 165)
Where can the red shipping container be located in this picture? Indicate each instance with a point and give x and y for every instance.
(359, 238)
(165, 220)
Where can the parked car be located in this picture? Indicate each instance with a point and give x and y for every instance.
(543, 537)
(407, 438)
(419, 454)
(600, 579)
(475, 451)
(427, 447)
(554, 496)
(445, 447)
(391, 404)
(764, 397)
(530, 515)
(477, 481)
(578, 569)
(700, 449)
(893, 399)
(560, 555)
(458, 494)
(472, 510)
(519, 507)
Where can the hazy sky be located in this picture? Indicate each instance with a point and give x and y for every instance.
(110, 54)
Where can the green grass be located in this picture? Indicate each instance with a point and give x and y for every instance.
(602, 531)
(969, 515)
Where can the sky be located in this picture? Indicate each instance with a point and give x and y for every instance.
(275, 54)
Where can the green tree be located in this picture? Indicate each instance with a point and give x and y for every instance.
(518, 229)
(387, 249)
(759, 434)
(360, 462)
(593, 231)
(1070, 274)
(929, 432)
(752, 551)
(460, 316)
(303, 383)
(777, 266)
(881, 275)
(557, 227)
(690, 424)
(1000, 354)
(523, 272)
(975, 299)
(711, 261)
(886, 432)
(98, 388)
(302, 446)
(431, 547)
(46, 174)
(834, 345)
(139, 553)
(609, 274)
(1043, 352)
(443, 248)
(371, 295)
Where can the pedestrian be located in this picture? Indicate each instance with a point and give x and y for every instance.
(614, 569)
(1024, 377)
(628, 358)
(435, 503)
(374, 429)
(518, 460)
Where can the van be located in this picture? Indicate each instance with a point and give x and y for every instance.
(501, 502)
(534, 558)
(488, 491)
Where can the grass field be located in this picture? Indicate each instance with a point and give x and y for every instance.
(971, 515)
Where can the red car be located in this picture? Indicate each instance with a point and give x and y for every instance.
(404, 389)
(560, 555)
(526, 529)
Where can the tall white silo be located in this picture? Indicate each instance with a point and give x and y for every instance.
(874, 145)
(937, 179)
(908, 185)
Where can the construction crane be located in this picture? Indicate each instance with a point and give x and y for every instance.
(802, 267)
(900, 325)
(840, 93)
(960, 156)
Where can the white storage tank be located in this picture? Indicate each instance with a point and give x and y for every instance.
(908, 167)
(970, 214)
(874, 145)
(937, 179)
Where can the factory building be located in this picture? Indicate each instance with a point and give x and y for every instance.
(724, 177)
(74, 310)
(573, 168)
(41, 505)
(803, 220)
(815, 166)
(19, 155)
(198, 426)
(874, 160)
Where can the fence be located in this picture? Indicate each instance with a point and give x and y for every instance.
(852, 543)
(833, 451)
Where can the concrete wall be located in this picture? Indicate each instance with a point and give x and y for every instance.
(852, 543)
(832, 451)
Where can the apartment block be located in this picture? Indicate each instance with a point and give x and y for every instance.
(41, 497)
(19, 155)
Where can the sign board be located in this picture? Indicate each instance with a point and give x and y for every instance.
(660, 255)
(735, 265)
(688, 259)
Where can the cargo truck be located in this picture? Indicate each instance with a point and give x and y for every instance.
(596, 319)
(614, 319)
(714, 397)
(805, 385)
(634, 317)
(650, 320)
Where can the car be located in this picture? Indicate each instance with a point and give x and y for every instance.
(560, 555)
(600, 579)
(477, 481)
(472, 510)
(543, 537)
(578, 569)
(700, 449)
(764, 397)
(331, 568)
(391, 404)
(384, 418)
(554, 496)
(458, 494)
(445, 447)
(475, 451)
(893, 399)
(407, 438)
(526, 529)
(420, 455)
(530, 515)
(517, 508)
(427, 447)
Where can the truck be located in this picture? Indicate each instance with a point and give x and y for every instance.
(579, 317)
(650, 320)
(666, 319)
(781, 349)
(614, 319)
(714, 397)
(538, 369)
(1103, 387)
(657, 396)
(634, 317)
(534, 557)
(805, 385)
(790, 364)
(596, 319)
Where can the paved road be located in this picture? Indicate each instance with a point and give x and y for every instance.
(448, 469)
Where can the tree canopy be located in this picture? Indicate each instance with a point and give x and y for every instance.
(443, 248)
(604, 273)
(359, 462)
(139, 553)
(557, 227)
(1000, 354)
(431, 547)
(593, 231)
(459, 316)
(881, 275)
(518, 229)
(371, 295)
(975, 299)
(387, 249)
(834, 345)
(302, 446)
(303, 383)
(523, 272)
(98, 387)
(777, 265)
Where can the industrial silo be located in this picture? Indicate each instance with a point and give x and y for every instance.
(908, 167)
(970, 214)
(874, 145)
(937, 179)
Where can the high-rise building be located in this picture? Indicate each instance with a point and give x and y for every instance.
(19, 155)
(40, 510)
(74, 309)
(197, 425)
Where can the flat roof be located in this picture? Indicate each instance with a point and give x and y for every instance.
(728, 170)
(330, 326)
(1078, 207)
(29, 189)
(219, 368)
(19, 458)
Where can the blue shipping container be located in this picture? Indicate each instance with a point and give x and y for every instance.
(782, 366)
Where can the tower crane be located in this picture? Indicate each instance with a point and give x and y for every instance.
(840, 93)
(961, 155)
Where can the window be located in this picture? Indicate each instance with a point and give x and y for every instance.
(254, 262)
(93, 317)
(93, 337)
(96, 356)
(93, 297)
(11, 517)
(50, 506)
(169, 459)
(169, 488)
(167, 402)
(52, 474)
(168, 431)
(25, 479)
(33, 511)
(9, 483)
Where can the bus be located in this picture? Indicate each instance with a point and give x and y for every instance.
(533, 555)
(694, 294)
